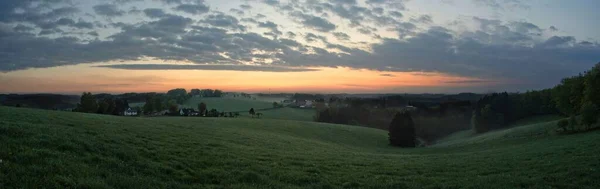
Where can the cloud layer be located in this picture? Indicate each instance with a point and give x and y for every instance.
(271, 35)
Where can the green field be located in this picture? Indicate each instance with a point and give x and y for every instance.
(242, 105)
(72, 150)
(228, 104)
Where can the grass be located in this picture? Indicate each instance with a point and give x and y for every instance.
(539, 126)
(285, 114)
(72, 150)
(228, 104)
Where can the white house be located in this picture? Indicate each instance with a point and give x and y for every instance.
(130, 112)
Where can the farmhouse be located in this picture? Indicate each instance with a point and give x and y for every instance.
(188, 112)
(130, 112)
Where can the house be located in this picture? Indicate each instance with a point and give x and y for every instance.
(304, 103)
(188, 112)
(130, 112)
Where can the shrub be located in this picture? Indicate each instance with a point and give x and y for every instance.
(573, 122)
(589, 113)
(563, 124)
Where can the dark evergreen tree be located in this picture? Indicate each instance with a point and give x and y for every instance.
(402, 131)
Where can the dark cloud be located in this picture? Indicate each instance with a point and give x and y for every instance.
(468, 81)
(108, 10)
(396, 14)
(271, 2)
(22, 28)
(237, 11)
(387, 75)
(208, 67)
(290, 34)
(311, 37)
(350, 2)
(193, 8)
(425, 19)
(268, 24)
(245, 7)
(154, 12)
(225, 21)
(503, 4)
(315, 22)
(341, 36)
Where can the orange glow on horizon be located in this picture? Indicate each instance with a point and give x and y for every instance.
(85, 77)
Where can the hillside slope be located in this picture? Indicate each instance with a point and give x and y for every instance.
(63, 149)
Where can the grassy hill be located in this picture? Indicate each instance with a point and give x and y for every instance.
(535, 127)
(63, 149)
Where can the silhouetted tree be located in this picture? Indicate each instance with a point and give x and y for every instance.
(149, 106)
(87, 103)
(120, 106)
(402, 130)
(217, 93)
(195, 92)
(252, 113)
(202, 108)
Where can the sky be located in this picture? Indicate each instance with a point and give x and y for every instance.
(317, 46)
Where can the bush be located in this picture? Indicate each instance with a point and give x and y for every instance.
(563, 124)
(573, 122)
(589, 113)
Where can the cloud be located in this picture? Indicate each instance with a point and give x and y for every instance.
(392, 38)
(193, 8)
(208, 67)
(502, 4)
(315, 22)
(154, 12)
(108, 10)
(387, 75)
(471, 81)
(341, 36)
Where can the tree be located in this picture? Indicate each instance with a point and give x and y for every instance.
(202, 108)
(149, 106)
(589, 113)
(120, 106)
(217, 93)
(592, 86)
(402, 131)
(195, 92)
(207, 92)
(87, 103)
(158, 104)
(252, 113)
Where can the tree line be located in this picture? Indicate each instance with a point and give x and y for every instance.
(577, 97)
(154, 102)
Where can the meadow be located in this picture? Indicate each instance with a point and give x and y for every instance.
(243, 105)
(75, 150)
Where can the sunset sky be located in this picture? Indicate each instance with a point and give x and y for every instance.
(329, 46)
